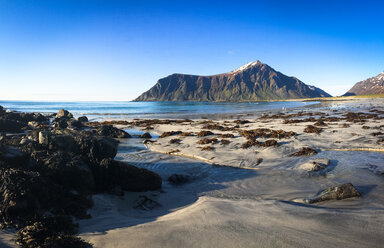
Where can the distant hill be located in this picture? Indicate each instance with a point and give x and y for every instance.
(251, 82)
(373, 85)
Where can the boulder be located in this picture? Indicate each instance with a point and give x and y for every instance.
(113, 132)
(111, 173)
(315, 164)
(96, 148)
(83, 119)
(75, 124)
(69, 171)
(339, 192)
(64, 113)
(44, 137)
(146, 135)
(60, 122)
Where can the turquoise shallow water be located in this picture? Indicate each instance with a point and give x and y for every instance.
(147, 109)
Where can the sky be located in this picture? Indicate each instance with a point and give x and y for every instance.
(94, 50)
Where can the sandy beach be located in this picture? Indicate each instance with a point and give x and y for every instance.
(250, 191)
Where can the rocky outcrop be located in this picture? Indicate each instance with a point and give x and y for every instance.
(370, 86)
(50, 172)
(254, 81)
(15, 122)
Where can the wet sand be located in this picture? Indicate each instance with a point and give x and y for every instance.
(231, 201)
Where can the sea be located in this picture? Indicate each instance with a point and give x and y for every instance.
(170, 110)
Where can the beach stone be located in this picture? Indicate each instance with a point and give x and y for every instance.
(178, 179)
(72, 123)
(111, 173)
(315, 164)
(64, 113)
(111, 131)
(146, 135)
(96, 148)
(60, 122)
(44, 138)
(83, 119)
(339, 192)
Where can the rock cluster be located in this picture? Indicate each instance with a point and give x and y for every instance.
(49, 172)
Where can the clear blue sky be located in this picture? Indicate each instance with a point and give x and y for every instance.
(115, 50)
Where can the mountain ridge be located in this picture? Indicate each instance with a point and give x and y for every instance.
(369, 86)
(253, 81)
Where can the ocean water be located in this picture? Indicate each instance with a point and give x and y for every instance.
(121, 110)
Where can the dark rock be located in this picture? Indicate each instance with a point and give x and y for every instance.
(25, 196)
(339, 192)
(50, 233)
(13, 157)
(146, 135)
(178, 179)
(10, 125)
(113, 132)
(175, 141)
(72, 123)
(64, 113)
(97, 148)
(83, 119)
(111, 173)
(60, 122)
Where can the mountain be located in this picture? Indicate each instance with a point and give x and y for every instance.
(251, 82)
(373, 85)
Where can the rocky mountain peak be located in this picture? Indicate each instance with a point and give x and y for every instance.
(253, 81)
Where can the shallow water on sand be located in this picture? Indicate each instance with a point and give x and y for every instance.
(231, 207)
(282, 182)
